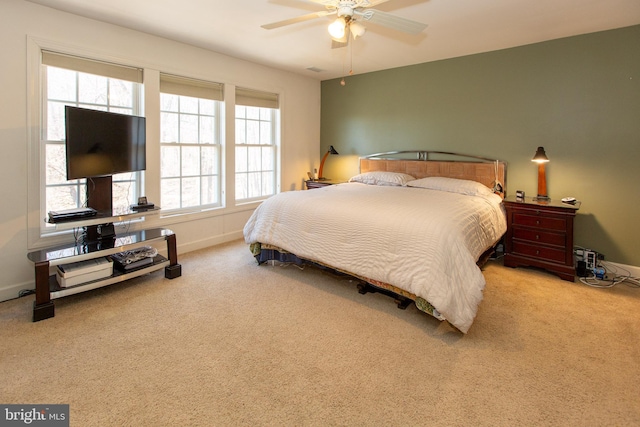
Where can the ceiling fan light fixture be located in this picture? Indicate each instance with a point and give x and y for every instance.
(357, 29)
(337, 27)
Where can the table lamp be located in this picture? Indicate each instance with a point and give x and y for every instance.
(541, 159)
(331, 151)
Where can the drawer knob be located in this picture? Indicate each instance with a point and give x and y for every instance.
(537, 252)
(537, 237)
(538, 222)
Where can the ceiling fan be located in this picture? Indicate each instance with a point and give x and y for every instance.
(350, 14)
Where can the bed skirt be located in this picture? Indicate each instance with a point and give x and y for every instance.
(263, 253)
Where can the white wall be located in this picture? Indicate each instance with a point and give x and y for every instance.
(24, 26)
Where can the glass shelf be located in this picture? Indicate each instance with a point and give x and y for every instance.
(102, 218)
(47, 288)
(60, 254)
(56, 291)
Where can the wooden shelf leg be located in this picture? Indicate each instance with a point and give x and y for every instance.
(174, 269)
(43, 307)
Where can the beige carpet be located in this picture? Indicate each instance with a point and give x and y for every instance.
(230, 343)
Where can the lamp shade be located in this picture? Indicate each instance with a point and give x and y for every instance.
(540, 156)
(337, 27)
(357, 29)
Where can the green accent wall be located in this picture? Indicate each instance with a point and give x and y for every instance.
(578, 97)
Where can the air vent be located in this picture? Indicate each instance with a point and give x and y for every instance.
(315, 69)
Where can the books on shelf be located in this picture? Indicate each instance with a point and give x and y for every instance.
(83, 271)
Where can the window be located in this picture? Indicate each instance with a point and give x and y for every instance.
(190, 148)
(257, 142)
(89, 84)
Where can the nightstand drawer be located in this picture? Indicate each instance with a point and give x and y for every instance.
(540, 221)
(539, 252)
(537, 236)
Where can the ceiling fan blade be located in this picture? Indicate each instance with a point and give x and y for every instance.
(372, 3)
(302, 18)
(331, 3)
(391, 21)
(359, 3)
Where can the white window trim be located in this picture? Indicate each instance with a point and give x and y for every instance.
(217, 93)
(257, 98)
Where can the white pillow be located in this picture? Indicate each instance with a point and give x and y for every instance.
(452, 185)
(383, 178)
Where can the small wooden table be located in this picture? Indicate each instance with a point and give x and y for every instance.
(540, 234)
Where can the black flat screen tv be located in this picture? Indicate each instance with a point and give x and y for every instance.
(100, 143)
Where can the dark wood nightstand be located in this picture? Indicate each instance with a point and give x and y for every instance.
(311, 184)
(540, 234)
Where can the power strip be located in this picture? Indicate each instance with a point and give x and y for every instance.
(591, 259)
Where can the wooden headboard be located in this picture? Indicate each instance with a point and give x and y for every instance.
(438, 163)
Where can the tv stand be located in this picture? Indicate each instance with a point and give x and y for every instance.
(100, 193)
(47, 288)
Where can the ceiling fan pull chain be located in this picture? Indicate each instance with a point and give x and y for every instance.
(350, 58)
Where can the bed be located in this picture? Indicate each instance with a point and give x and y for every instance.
(416, 225)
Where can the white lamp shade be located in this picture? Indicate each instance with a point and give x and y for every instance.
(336, 28)
(357, 29)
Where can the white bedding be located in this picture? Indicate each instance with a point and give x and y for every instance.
(424, 241)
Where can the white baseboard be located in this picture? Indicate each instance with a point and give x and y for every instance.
(623, 269)
(208, 242)
(13, 291)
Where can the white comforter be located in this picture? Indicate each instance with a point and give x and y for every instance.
(424, 241)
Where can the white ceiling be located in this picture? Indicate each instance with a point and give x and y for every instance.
(455, 28)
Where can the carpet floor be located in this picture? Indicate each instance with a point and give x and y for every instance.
(233, 343)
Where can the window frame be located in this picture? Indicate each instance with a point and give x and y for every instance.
(250, 98)
(134, 181)
(218, 144)
(38, 234)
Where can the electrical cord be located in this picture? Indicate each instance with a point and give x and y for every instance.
(615, 279)
(127, 226)
(598, 283)
(626, 277)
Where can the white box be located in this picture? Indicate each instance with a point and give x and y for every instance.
(83, 271)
